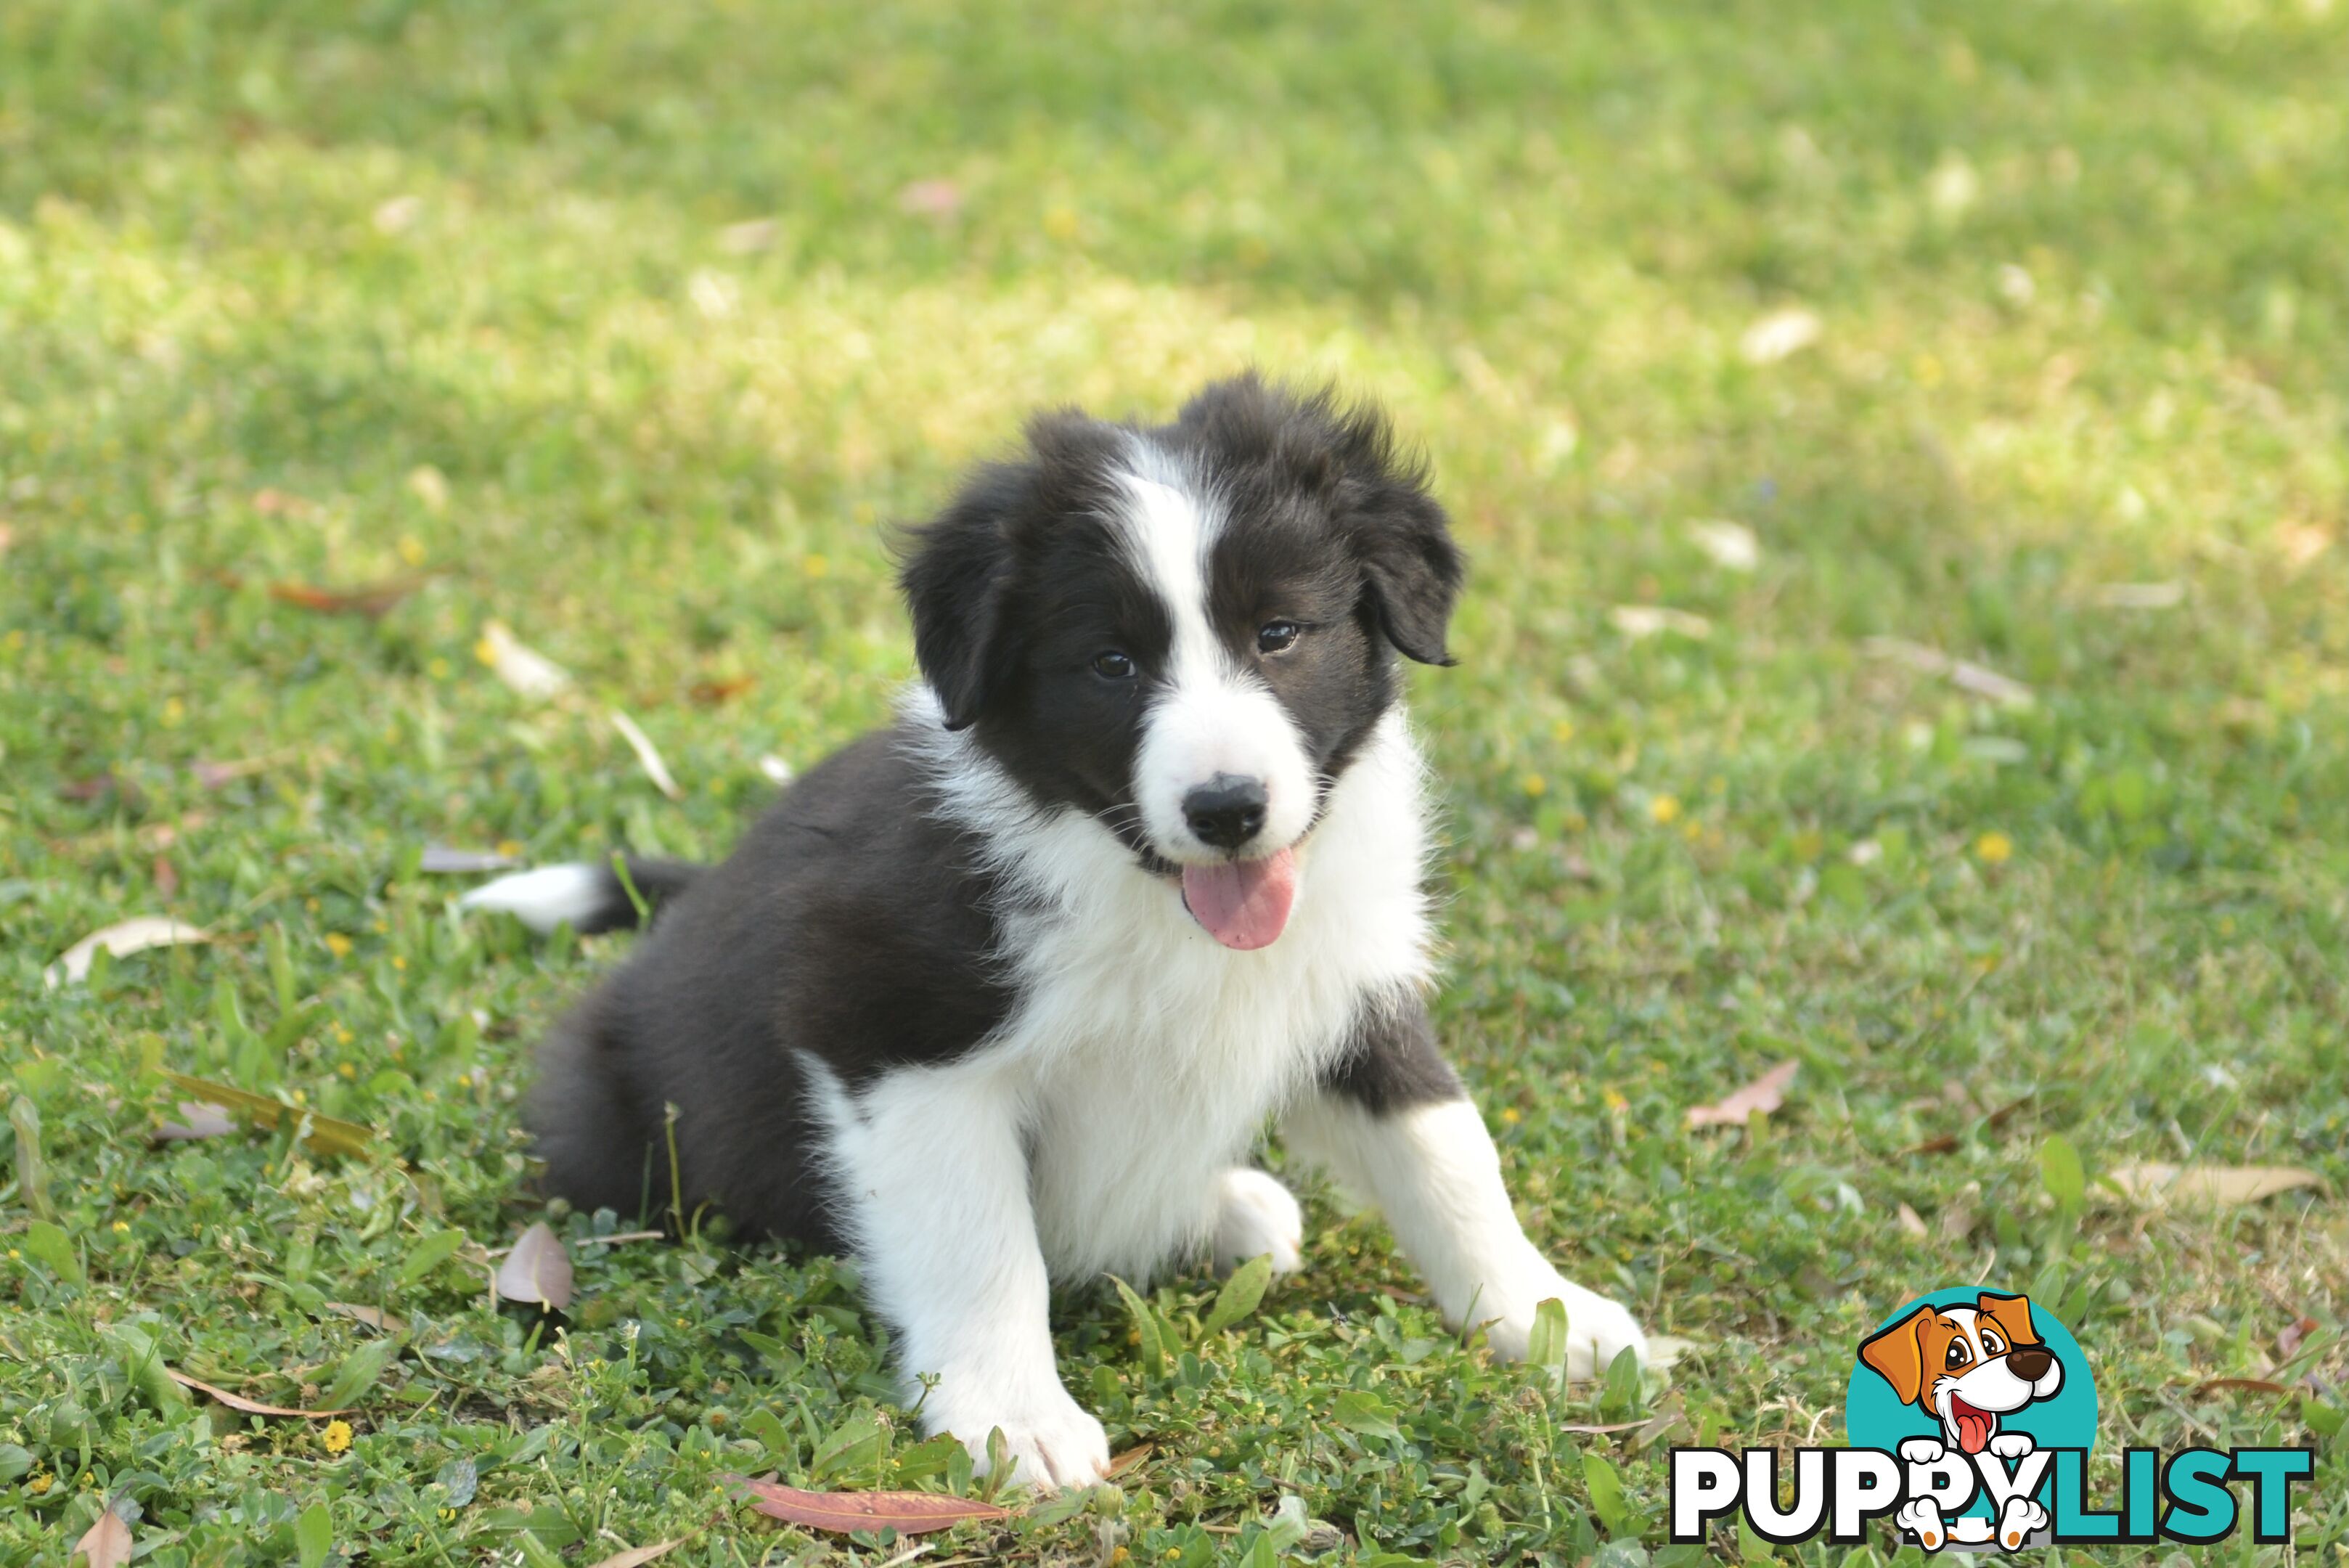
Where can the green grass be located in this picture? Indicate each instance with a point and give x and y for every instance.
(323, 293)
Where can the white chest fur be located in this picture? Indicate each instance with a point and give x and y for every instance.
(1144, 1056)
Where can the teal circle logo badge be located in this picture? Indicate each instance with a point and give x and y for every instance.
(1963, 1373)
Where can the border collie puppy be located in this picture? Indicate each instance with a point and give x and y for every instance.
(1006, 991)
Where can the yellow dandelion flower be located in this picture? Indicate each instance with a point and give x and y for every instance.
(1534, 785)
(337, 1437)
(1511, 1115)
(1993, 850)
(411, 549)
(1562, 732)
(399, 962)
(338, 944)
(1665, 809)
(348, 1070)
(40, 1483)
(122, 1227)
(1060, 223)
(814, 565)
(438, 670)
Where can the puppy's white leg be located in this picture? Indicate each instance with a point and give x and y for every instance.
(1432, 1169)
(1255, 1215)
(934, 1180)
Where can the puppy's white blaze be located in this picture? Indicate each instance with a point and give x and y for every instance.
(1435, 1172)
(1213, 716)
(545, 898)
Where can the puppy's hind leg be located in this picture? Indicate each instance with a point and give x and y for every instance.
(1256, 1216)
(586, 1122)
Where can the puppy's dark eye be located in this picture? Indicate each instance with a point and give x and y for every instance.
(1278, 636)
(1113, 666)
(1959, 1354)
(1993, 1345)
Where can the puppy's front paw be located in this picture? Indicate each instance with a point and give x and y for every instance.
(1255, 1215)
(1053, 1443)
(1597, 1330)
(1921, 1518)
(1922, 1451)
(2018, 1521)
(2011, 1445)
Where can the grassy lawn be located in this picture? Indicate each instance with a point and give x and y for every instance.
(2016, 335)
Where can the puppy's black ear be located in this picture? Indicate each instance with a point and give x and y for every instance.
(954, 572)
(1412, 570)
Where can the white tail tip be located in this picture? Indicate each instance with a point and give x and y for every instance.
(544, 897)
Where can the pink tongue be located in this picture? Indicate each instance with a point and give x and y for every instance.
(1243, 904)
(1974, 1432)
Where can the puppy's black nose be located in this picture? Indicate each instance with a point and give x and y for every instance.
(1226, 811)
(2029, 1362)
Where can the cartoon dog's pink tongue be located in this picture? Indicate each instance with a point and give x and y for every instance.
(1243, 904)
(1973, 1426)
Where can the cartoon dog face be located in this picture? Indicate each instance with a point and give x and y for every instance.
(1967, 1366)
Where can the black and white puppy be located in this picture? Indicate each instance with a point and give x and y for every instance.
(1006, 993)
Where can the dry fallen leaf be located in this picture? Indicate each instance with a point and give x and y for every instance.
(374, 1317)
(518, 665)
(537, 1270)
(1765, 1093)
(638, 1556)
(441, 858)
(2290, 1337)
(212, 775)
(131, 936)
(2141, 596)
(197, 1119)
(931, 198)
(907, 1512)
(106, 1545)
(369, 599)
(249, 1407)
(642, 744)
(1912, 1223)
(709, 693)
(742, 239)
(1731, 545)
(1965, 676)
(2240, 1385)
(1640, 622)
(1780, 333)
(1127, 1461)
(326, 1135)
(2208, 1186)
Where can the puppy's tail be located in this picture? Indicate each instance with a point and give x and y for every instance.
(587, 894)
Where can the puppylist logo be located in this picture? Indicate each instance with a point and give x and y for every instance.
(1971, 1414)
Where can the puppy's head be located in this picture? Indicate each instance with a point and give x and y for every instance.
(1966, 1366)
(1187, 630)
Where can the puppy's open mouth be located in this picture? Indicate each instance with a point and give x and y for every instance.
(1973, 1424)
(1243, 904)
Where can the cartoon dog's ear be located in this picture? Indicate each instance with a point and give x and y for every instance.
(1898, 1355)
(2013, 1315)
(955, 573)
